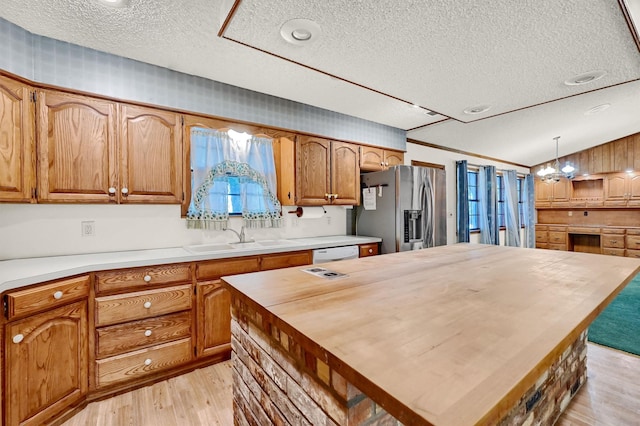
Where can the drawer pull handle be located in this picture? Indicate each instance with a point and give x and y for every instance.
(18, 338)
(147, 278)
(147, 305)
(57, 295)
(147, 333)
(147, 361)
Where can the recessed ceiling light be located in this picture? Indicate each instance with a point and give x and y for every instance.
(597, 109)
(477, 109)
(585, 78)
(114, 3)
(300, 31)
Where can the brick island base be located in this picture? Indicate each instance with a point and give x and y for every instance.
(280, 380)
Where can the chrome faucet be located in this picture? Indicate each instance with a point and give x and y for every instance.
(241, 235)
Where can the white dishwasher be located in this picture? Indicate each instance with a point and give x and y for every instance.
(333, 254)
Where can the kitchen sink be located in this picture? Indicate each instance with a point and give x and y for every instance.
(208, 248)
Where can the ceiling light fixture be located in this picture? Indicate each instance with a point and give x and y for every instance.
(585, 78)
(300, 31)
(597, 109)
(114, 3)
(553, 174)
(477, 109)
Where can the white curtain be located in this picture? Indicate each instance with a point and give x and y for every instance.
(511, 212)
(216, 157)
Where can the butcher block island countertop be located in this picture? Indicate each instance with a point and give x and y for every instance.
(451, 335)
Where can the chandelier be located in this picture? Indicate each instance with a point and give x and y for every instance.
(553, 174)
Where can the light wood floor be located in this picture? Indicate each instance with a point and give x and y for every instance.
(611, 397)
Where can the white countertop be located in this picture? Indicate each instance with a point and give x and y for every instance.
(21, 272)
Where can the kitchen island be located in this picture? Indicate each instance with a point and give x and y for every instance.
(454, 335)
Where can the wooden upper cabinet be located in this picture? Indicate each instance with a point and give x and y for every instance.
(393, 158)
(615, 189)
(327, 172)
(345, 174)
(76, 148)
(375, 159)
(371, 159)
(313, 174)
(150, 155)
(17, 170)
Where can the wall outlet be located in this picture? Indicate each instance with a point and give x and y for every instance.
(88, 228)
(570, 213)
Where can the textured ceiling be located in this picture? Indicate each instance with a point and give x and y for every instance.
(373, 59)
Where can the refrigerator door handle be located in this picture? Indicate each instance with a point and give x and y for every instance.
(427, 197)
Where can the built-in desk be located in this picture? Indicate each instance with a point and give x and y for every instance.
(462, 334)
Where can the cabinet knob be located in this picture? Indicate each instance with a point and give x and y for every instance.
(147, 333)
(327, 196)
(147, 305)
(147, 278)
(18, 338)
(370, 250)
(125, 191)
(386, 163)
(57, 295)
(334, 196)
(147, 361)
(112, 191)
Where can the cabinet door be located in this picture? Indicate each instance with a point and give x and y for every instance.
(46, 364)
(345, 174)
(633, 190)
(371, 159)
(76, 148)
(313, 178)
(150, 155)
(561, 192)
(214, 319)
(393, 158)
(542, 193)
(17, 171)
(615, 189)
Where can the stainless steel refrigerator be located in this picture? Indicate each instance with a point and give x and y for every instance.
(410, 208)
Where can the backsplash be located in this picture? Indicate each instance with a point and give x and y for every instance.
(36, 230)
(54, 62)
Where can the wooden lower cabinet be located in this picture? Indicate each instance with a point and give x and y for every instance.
(46, 364)
(372, 249)
(213, 305)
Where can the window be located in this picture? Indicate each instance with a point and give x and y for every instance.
(519, 185)
(474, 214)
(500, 199)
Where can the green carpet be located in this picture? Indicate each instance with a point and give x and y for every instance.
(618, 326)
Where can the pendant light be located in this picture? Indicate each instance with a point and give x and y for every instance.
(554, 174)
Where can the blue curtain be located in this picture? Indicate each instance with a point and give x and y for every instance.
(220, 162)
(511, 214)
(488, 205)
(529, 212)
(462, 209)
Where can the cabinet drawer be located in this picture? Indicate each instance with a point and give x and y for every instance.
(117, 339)
(632, 253)
(557, 237)
(540, 245)
(562, 247)
(633, 241)
(557, 229)
(542, 228)
(369, 250)
(613, 251)
(134, 365)
(583, 230)
(142, 304)
(633, 231)
(614, 241)
(285, 260)
(135, 278)
(613, 230)
(215, 269)
(46, 296)
(542, 236)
